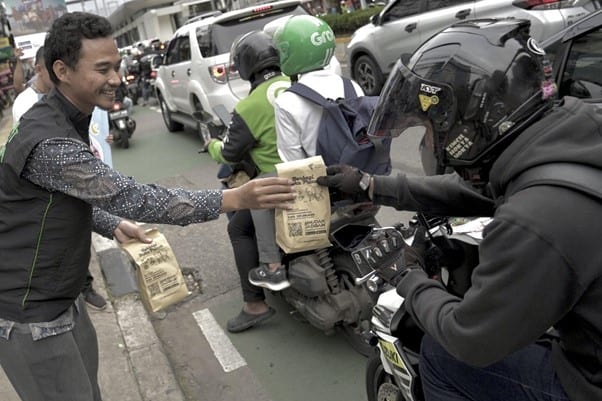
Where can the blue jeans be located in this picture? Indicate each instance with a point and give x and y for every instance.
(526, 375)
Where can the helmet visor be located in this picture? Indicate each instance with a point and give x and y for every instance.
(409, 101)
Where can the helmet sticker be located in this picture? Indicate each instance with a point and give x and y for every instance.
(459, 146)
(426, 101)
(534, 47)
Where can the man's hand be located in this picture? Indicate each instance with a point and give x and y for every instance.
(260, 193)
(346, 182)
(126, 230)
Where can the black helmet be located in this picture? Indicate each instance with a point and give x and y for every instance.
(473, 88)
(252, 53)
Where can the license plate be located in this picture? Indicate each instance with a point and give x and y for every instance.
(392, 355)
(118, 114)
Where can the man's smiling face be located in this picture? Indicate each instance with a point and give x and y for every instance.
(93, 80)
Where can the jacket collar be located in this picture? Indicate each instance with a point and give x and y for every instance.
(80, 121)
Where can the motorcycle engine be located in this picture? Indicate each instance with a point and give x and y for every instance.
(307, 276)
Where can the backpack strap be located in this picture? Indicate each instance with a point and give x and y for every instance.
(349, 89)
(308, 93)
(578, 177)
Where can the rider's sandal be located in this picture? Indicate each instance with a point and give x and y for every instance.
(245, 320)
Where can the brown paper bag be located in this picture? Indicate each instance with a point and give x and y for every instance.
(158, 273)
(306, 226)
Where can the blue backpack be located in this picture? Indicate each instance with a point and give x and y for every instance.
(342, 135)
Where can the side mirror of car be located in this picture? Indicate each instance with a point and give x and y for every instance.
(375, 19)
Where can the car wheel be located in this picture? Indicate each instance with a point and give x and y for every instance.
(367, 74)
(171, 125)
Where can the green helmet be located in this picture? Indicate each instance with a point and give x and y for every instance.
(305, 43)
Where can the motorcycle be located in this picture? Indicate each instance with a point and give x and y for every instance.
(121, 125)
(323, 288)
(392, 371)
(133, 85)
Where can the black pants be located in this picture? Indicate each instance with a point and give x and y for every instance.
(246, 257)
(62, 367)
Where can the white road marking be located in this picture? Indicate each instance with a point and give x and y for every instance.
(222, 347)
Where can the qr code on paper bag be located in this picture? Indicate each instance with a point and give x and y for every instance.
(295, 229)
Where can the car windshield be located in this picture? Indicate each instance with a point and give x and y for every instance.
(221, 35)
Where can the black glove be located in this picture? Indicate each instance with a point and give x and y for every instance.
(346, 182)
(413, 256)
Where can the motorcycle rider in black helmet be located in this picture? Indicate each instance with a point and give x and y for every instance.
(483, 92)
(250, 146)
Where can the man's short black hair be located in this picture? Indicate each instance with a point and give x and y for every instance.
(39, 56)
(64, 41)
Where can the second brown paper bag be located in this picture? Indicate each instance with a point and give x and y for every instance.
(307, 225)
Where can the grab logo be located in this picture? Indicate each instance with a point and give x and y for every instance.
(318, 39)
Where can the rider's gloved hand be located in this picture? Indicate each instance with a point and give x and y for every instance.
(413, 256)
(346, 182)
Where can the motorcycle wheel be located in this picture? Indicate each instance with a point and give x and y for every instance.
(379, 384)
(355, 333)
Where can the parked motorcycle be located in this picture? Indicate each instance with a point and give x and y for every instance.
(392, 372)
(121, 125)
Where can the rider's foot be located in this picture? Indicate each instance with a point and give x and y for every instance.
(247, 318)
(274, 280)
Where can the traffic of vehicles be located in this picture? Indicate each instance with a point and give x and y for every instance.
(190, 74)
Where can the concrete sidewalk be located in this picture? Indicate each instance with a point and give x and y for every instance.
(133, 363)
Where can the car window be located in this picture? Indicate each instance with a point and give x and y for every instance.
(171, 55)
(203, 38)
(218, 37)
(184, 49)
(437, 4)
(401, 9)
(582, 76)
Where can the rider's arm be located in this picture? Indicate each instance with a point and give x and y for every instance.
(288, 134)
(520, 288)
(446, 195)
(237, 144)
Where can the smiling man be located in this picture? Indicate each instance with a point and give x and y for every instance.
(53, 193)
